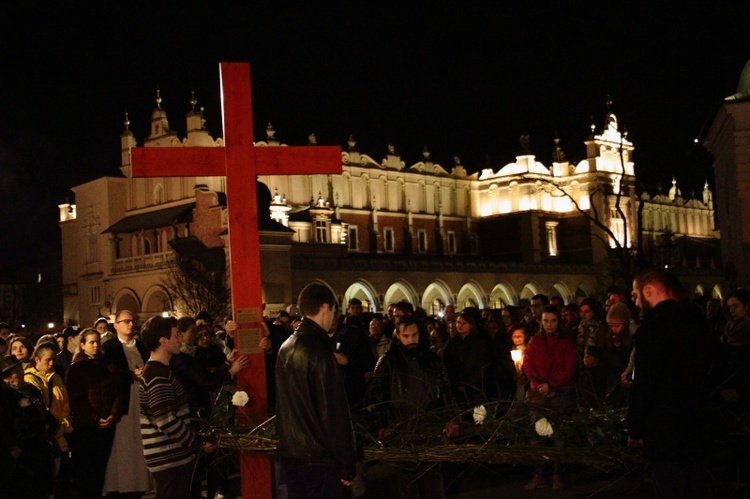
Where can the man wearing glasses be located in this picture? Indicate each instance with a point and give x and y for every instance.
(126, 469)
(114, 350)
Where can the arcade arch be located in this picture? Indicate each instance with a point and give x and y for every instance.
(157, 300)
(365, 292)
(563, 291)
(401, 290)
(503, 295)
(333, 291)
(471, 295)
(436, 296)
(530, 289)
(126, 299)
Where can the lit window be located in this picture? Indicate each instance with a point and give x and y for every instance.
(617, 227)
(551, 227)
(321, 231)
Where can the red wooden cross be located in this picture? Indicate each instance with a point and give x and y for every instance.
(240, 162)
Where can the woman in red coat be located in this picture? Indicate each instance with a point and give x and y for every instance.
(550, 366)
(95, 407)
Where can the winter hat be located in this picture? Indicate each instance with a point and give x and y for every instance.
(9, 363)
(618, 314)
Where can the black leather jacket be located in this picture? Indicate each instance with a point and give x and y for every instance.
(312, 413)
(405, 386)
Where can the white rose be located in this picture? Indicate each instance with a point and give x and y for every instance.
(480, 413)
(240, 399)
(544, 428)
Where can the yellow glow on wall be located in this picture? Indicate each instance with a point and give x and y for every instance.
(584, 203)
(546, 202)
(563, 205)
(523, 203)
(505, 206)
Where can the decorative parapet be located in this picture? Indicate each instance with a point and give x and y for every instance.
(145, 262)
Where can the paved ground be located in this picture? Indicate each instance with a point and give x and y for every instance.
(505, 481)
(508, 482)
(464, 481)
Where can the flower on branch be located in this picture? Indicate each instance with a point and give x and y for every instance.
(544, 428)
(480, 413)
(240, 398)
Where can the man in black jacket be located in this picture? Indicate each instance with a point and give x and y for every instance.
(316, 442)
(410, 386)
(667, 412)
(113, 351)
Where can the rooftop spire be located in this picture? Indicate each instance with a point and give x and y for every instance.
(558, 155)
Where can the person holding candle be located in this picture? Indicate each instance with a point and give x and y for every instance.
(517, 353)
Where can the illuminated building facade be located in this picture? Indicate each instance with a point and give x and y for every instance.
(383, 231)
(729, 141)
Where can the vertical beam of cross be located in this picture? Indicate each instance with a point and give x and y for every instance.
(241, 162)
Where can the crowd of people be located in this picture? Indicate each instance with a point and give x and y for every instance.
(75, 406)
(405, 366)
(108, 409)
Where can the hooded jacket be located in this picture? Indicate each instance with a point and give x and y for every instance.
(50, 383)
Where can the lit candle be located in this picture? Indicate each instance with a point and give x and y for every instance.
(516, 355)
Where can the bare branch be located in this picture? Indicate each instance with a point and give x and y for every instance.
(196, 289)
(591, 218)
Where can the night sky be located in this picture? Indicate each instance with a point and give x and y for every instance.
(462, 78)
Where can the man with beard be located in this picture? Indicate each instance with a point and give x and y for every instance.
(667, 412)
(410, 386)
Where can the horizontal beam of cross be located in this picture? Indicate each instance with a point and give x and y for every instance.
(209, 161)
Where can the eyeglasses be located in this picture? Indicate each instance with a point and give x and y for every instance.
(127, 321)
